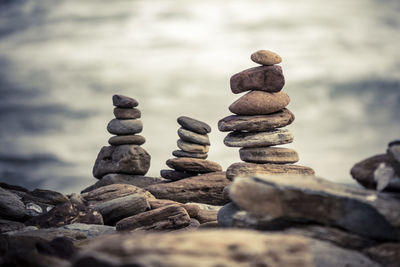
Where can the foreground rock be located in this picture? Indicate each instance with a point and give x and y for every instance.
(387, 254)
(216, 248)
(259, 139)
(363, 171)
(6, 226)
(127, 140)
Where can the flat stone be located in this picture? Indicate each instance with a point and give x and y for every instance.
(127, 113)
(387, 254)
(256, 123)
(311, 199)
(249, 169)
(386, 178)
(263, 78)
(191, 147)
(279, 155)
(266, 57)
(7, 226)
(193, 137)
(206, 188)
(170, 217)
(122, 101)
(259, 103)
(363, 171)
(259, 139)
(393, 153)
(184, 154)
(193, 165)
(192, 209)
(126, 159)
(194, 125)
(124, 127)
(176, 175)
(205, 216)
(11, 207)
(127, 140)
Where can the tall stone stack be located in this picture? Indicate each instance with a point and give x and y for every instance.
(259, 118)
(125, 154)
(191, 158)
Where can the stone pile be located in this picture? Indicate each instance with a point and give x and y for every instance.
(194, 145)
(259, 118)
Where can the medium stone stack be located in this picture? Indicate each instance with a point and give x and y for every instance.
(194, 144)
(125, 155)
(260, 115)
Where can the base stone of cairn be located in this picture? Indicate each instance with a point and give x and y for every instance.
(259, 118)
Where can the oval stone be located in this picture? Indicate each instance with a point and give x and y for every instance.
(259, 103)
(279, 155)
(261, 139)
(124, 127)
(266, 57)
(192, 148)
(127, 140)
(194, 125)
(193, 165)
(176, 175)
(127, 113)
(193, 137)
(184, 154)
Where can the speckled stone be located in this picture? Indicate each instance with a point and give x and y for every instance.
(266, 57)
(259, 103)
(259, 139)
(192, 148)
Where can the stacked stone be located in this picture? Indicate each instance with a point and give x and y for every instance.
(260, 115)
(194, 145)
(125, 155)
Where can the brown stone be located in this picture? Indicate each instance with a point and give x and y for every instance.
(192, 209)
(266, 57)
(127, 140)
(194, 165)
(387, 254)
(184, 154)
(127, 113)
(363, 171)
(206, 216)
(191, 147)
(257, 123)
(251, 169)
(264, 78)
(277, 155)
(259, 139)
(176, 175)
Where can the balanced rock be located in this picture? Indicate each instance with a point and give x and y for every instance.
(127, 140)
(122, 101)
(194, 125)
(184, 154)
(258, 139)
(264, 78)
(193, 165)
(124, 127)
(128, 159)
(191, 147)
(127, 113)
(266, 57)
(259, 103)
(256, 123)
(249, 169)
(363, 171)
(193, 137)
(279, 155)
(393, 152)
(176, 175)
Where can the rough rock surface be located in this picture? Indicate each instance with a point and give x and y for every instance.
(387, 254)
(191, 147)
(265, 57)
(124, 127)
(194, 125)
(194, 165)
(127, 159)
(259, 139)
(122, 101)
(6, 226)
(176, 175)
(193, 137)
(363, 171)
(184, 154)
(127, 140)
(11, 207)
(192, 209)
(269, 155)
(127, 113)
(393, 153)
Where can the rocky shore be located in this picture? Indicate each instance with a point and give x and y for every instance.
(263, 211)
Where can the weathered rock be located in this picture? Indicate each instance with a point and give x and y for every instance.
(194, 165)
(122, 101)
(126, 159)
(184, 154)
(59, 247)
(6, 226)
(13, 188)
(264, 78)
(192, 209)
(215, 248)
(205, 216)
(205, 188)
(170, 217)
(386, 178)
(118, 208)
(387, 254)
(45, 196)
(310, 199)
(266, 57)
(117, 178)
(32, 258)
(64, 214)
(124, 127)
(191, 147)
(206, 207)
(393, 153)
(363, 171)
(193, 137)
(76, 199)
(127, 113)
(176, 175)
(127, 140)
(256, 123)
(259, 139)
(226, 214)
(249, 169)
(209, 225)
(269, 155)
(194, 125)
(11, 207)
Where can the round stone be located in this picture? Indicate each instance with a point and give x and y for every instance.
(193, 137)
(126, 140)
(184, 154)
(124, 127)
(259, 103)
(193, 165)
(266, 57)
(122, 101)
(192, 148)
(279, 155)
(260, 139)
(257, 123)
(194, 125)
(176, 175)
(127, 113)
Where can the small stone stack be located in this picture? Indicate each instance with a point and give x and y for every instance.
(124, 156)
(259, 116)
(191, 159)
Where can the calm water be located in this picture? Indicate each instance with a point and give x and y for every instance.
(61, 61)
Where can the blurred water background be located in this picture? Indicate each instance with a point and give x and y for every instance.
(61, 61)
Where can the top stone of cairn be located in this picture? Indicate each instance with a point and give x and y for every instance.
(266, 57)
(122, 101)
(194, 125)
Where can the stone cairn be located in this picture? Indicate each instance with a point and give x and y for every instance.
(260, 115)
(191, 158)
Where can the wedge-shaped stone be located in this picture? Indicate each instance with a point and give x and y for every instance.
(122, 101)
(194, 165)
(127, 140)
(194, 125)
(193, 137)
(278, 155)
(259, 103)
(310, 199)
(261, 139)
(191, 147)
(124, 127)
